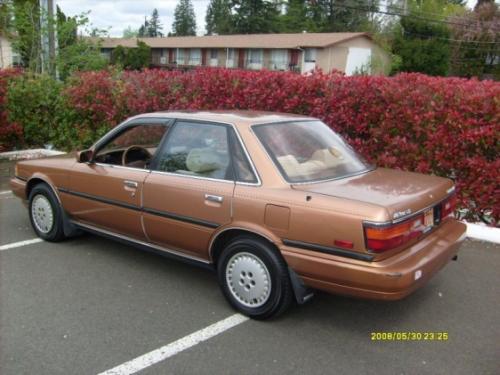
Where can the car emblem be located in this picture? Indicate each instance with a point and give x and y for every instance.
(399, 214)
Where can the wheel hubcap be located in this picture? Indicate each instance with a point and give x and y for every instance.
(42, 214)
(248, 279)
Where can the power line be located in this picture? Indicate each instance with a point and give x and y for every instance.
(452, 40)
(416, 16)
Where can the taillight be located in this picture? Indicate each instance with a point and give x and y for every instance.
(380, 239)
(448, 207)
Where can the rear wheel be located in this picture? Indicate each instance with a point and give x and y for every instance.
(45, 213)
(254, 278)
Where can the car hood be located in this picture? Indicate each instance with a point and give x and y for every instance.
(400, 193)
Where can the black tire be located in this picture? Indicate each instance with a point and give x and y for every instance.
(264, 256)
(42, 192)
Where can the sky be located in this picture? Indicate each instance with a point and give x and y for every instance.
(116, 15)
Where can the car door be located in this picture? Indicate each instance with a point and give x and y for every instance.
(188, 194)
(107, 192)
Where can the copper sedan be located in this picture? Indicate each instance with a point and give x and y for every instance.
(277, 204)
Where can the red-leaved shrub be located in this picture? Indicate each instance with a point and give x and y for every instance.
(11, 134)
(445, 126)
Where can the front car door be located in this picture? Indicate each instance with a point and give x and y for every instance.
(188, 194)
(107, 193)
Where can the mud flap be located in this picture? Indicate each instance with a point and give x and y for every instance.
(69, 229)
(300, 290)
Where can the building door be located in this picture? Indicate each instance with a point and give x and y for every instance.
(358, 61)
(241, 58)
(204, 57)
(309, 60)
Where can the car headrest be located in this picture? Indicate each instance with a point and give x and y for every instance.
(200, 160)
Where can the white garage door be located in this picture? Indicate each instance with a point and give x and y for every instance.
(358, 59)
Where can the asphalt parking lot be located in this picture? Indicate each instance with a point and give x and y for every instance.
(89, 304)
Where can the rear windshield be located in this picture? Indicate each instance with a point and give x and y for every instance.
(306, 151)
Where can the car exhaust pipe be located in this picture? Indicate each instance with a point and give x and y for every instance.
(455, 257)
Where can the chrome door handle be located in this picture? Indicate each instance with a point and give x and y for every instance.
(214, 198)
(130, 184)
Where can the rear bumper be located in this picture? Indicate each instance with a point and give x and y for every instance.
(18, 188)
(390, 279)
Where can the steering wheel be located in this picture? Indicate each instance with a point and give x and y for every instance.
(142, 150)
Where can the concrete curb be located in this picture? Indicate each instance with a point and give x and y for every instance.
(483, 232)
(29, 154)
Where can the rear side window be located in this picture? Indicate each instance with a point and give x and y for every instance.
(197, 149)
(242, 167)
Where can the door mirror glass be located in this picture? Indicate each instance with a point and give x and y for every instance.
(85, 156)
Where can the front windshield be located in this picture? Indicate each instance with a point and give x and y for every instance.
(307, 151)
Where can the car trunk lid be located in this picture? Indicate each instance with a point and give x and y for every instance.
(400, 193)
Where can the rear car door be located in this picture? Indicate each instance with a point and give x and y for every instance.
(107, 193)
(188, 194)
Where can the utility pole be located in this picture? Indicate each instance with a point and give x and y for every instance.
(48, 37)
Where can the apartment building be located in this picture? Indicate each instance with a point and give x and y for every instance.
(304, 52)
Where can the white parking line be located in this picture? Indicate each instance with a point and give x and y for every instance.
(167, 351)
(5, 192)
(19, 244)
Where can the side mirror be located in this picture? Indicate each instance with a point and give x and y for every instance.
(85, 156)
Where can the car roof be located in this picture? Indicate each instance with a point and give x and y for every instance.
(236, 117)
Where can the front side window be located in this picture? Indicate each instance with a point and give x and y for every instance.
(309, 151)
(134, 147)
(197, 149)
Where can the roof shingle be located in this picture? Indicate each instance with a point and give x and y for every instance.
(289, 41)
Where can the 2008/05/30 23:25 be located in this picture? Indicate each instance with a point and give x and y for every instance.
(409, 336)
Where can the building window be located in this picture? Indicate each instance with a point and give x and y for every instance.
(310, 55)
(194, 56)
(214, 53)
(16, 59)
(254, 58)
(180, 57)
(230, 58)
(279, 59)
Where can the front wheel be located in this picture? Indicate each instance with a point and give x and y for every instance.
(254, 278)
(45, 213)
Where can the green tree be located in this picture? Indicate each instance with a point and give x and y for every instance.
(67, 29)
(143, 30)
(26, 25)
(219, 18)
(184, 19)
(476, 42)
(6, 20)
(342, 16)
(255, 16)
(423, 46)
(129, 32)
(132, 58)
(74, 53)
(155, 26)
(297, 17)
